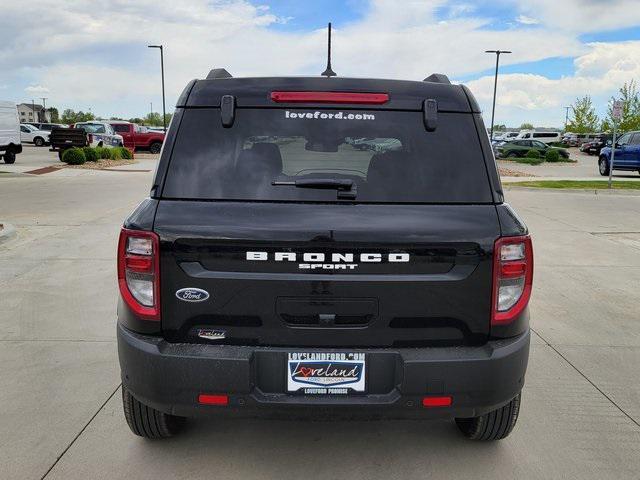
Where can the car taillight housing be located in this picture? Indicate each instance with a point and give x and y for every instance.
(89, 138)
(512, 278)
(139, 272)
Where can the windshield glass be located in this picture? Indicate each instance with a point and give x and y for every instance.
(388, 155)
(92, 127)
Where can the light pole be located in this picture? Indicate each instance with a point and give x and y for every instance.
(495, 84)
(164, 112)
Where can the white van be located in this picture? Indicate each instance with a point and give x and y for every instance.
(10, 144)
(544, 137)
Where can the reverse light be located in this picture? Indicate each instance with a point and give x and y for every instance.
(139, 272)
(512, 278)
(330, 97)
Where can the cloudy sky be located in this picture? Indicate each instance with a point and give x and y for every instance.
(84, 54)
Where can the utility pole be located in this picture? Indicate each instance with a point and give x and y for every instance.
(495, 85)
(33, 109)
(566, 118)
(44, 108)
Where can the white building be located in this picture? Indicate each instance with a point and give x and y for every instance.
(30, 112)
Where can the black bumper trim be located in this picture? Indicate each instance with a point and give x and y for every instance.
(169, 377)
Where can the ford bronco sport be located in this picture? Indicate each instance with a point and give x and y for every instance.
(324, 244)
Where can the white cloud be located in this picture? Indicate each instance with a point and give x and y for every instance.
(98, 57)
(36, 90)
(582, 15)
(524, 20)
(600, 73)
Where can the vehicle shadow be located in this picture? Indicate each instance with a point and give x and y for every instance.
(250, 448)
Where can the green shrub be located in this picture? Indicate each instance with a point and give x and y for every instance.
(115, 154)
(74, 156)
(533, 153)
(530, 160)
(90, 154)
(552, 155)
(126, 153)
(103, 153)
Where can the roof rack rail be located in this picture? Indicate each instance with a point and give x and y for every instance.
(437, 78)
(218, 73)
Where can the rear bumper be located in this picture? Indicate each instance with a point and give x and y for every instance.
(170, 376)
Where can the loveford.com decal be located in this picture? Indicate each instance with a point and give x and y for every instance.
(326, 373)
(317, 115)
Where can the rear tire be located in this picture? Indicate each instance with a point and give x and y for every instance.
(148, 422)
(155, 148)
(494, 425)
(9, 157)
(603, 166)
(512, 155)
(38, 141)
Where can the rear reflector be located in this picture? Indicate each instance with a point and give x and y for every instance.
(436, 402)
(330, 97)
(206, 399)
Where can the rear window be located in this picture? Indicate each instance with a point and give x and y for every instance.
(387, 155)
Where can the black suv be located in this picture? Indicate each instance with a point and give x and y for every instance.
(278, 267)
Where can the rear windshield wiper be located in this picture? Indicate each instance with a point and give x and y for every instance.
(346, 188)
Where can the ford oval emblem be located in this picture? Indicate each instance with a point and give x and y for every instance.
(192, 294)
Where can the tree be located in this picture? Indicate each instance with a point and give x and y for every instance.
(584, 115)
(499, 128)
(526, 126)
(71, 116)
(53, 112)
(630, 110)
(153, 119)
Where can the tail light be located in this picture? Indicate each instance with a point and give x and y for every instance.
(89, 138)
(139, 272)
(512, 278)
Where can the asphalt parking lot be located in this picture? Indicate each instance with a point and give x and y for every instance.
(60, 415)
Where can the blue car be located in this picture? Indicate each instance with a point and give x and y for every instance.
(627, 155)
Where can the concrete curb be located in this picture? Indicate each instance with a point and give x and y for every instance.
(6, 232)
(590, 191)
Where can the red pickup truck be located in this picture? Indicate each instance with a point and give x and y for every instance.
(137, 137)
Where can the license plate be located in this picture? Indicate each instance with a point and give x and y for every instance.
(314, 373)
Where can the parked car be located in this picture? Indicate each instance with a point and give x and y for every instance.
(577, 139)
(519, 148)
(101, 134)
(505, 136)
(62, 139)
(272, 270)
(84, 134)
(594, 147)
(627, 154)
(47, 126)
(30, 134)
(138, 137)
(544, 137)
(10, 143)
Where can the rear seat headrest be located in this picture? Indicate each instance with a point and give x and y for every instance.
(269, 154)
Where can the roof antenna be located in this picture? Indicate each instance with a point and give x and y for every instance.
(328, 72)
